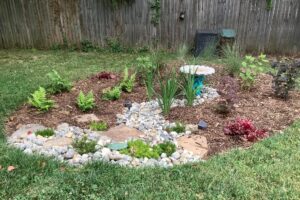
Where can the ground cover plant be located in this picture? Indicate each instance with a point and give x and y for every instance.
(178, 128)
(274, 161)
(111, 93)
(99, 126)
(127, 83)
(84, 145)
(45, 133)
(39, 100)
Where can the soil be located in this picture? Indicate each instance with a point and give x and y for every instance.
(259, 105)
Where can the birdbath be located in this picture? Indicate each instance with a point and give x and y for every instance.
(199, 72)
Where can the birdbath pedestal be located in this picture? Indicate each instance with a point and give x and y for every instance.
(199, 72)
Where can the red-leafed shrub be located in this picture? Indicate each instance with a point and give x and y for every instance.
(245, 128)
(105, 75)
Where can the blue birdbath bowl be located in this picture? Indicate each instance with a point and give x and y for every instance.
(199, 72)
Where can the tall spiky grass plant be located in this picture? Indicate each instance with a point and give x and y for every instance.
(232, 59)
(168, 89)
(149, 82)
(188, 89)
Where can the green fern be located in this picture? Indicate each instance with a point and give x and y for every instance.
(39, 100)
(58, 84)
(111, 94)
(86, 102)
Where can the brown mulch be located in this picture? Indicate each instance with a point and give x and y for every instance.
(259, 105)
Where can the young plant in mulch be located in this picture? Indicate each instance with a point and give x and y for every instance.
(98, 126)
(40, 101)
(127, 83)
(58, 84)
(167, 147)
(285, 78)
(168, 90)
(45, 133)
(227, 88)
(143, 65)
(84, 145)
(251, 67)
(86, 102)
(111, 94)
(178, 128)
(232, 60)
(244, 128)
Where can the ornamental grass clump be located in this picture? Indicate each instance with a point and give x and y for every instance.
(86, 102)
(58, 84)
(168, 90)
(244, 128)
(39, 100)
(84, 145)
(149, 83)
(190, 92)
(232, 60)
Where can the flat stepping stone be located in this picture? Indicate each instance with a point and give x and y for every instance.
(86, 118)
(26, 130)
(196, 144)
(122, 133)
(58, 142)
(117, 146)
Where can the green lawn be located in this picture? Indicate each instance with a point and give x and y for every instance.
(268, 170)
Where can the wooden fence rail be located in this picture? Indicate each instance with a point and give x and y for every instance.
(43, 23)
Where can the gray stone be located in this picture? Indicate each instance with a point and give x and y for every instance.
(175, 155)
(202, 125)
(70, 154)
(28, 151)
(26, 130)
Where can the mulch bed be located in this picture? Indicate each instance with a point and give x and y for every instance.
(259, 105)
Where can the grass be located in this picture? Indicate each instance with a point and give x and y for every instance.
(268, 170)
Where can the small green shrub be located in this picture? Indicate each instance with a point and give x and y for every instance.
(140, 149)
(168, 90)
(232, 60)
(144, 64)
(39, 100)
(167, 147)
(86, 102)
(190, 92)
(46, 132)
(251, 67)
(84, 145)
(127, 83)
(149, 82)
(178, 128)
(58, 84)
(98, 126)
(111, 94)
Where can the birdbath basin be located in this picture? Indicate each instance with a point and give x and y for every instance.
(199, 72)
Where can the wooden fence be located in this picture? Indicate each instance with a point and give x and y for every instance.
(43, 23)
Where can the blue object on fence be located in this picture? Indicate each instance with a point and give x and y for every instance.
(198, 84)
(228, 33)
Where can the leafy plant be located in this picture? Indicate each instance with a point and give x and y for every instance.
(114, 45)
(86, 102)
(190, 92)
(127, 83)
(149, 79)
(232, 60)
(39, 100)
(58, 84)
(244, 128)
(178, 128)
(84, 145)
(144, 64)
(269, 4)
(99, 126)
(87, 46)
(111, 93)
(227, 88)
(45, 133)
(167, 147)
(155, 7)
(251, 66)
(140, 149)
(168, 90)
